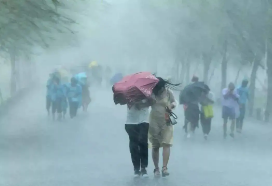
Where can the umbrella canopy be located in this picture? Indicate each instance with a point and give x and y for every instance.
(93, 64)
(134, 87)
(116, 78)
(193, 92)
(81, 77)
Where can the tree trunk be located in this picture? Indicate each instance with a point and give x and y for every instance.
(183, 72)
(212, 74)
(252, 85)
(207, 60)
(13, 81)
(224, 66)
(177, 66)
(188, 68)
(238, 74)
(206, 69)
(268, 109)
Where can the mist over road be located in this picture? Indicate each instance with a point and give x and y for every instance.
(93, 150)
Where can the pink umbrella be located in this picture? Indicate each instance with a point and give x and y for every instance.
(134, 87)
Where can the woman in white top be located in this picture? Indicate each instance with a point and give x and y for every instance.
(137, 127)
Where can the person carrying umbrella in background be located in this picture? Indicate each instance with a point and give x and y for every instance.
(190, 97)
(244, 96)
(116, 78)
(229, 102)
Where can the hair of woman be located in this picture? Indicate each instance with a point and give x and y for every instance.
(163, 84)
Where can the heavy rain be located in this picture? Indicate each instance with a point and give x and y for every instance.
(135, 93)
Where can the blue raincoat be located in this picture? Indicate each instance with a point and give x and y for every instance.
(74, 93)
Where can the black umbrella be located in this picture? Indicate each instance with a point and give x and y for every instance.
(193, 92)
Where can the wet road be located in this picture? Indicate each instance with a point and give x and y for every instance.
(93, 150)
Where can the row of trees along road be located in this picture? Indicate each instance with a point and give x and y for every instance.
(26, 25)
(215, 32)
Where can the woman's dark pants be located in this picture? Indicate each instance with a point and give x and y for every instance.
(205, 123)
(138, 144)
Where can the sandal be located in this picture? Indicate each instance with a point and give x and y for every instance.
(165, 172)
(157, 173)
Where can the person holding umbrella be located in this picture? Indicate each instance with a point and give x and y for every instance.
(135, 91)
(137, 126)
(132, 90)
(191, 108)
(160, 133)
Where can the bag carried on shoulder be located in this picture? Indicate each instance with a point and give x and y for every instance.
(208, 111)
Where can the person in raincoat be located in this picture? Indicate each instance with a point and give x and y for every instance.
(74, 93)
(57, 97)
(64, 103)
(49, 85)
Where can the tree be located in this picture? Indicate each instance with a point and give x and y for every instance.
(28, 24)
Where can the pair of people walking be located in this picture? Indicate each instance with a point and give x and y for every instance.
(193, 113)
(234, 107)
(140, 124)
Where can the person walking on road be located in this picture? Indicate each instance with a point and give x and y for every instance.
(160, 133)
(49, 87)
(137, 129)
(86, 99)
(244, 96)
(57, 97)
(191, 112)
(229, 102)
(74, 93)
(207, 113)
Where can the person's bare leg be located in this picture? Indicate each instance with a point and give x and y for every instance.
(225, 128)
(155, 157)
(189, 129)
(232, 127)
(166, 155)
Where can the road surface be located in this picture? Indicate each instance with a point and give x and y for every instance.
(92, 150)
